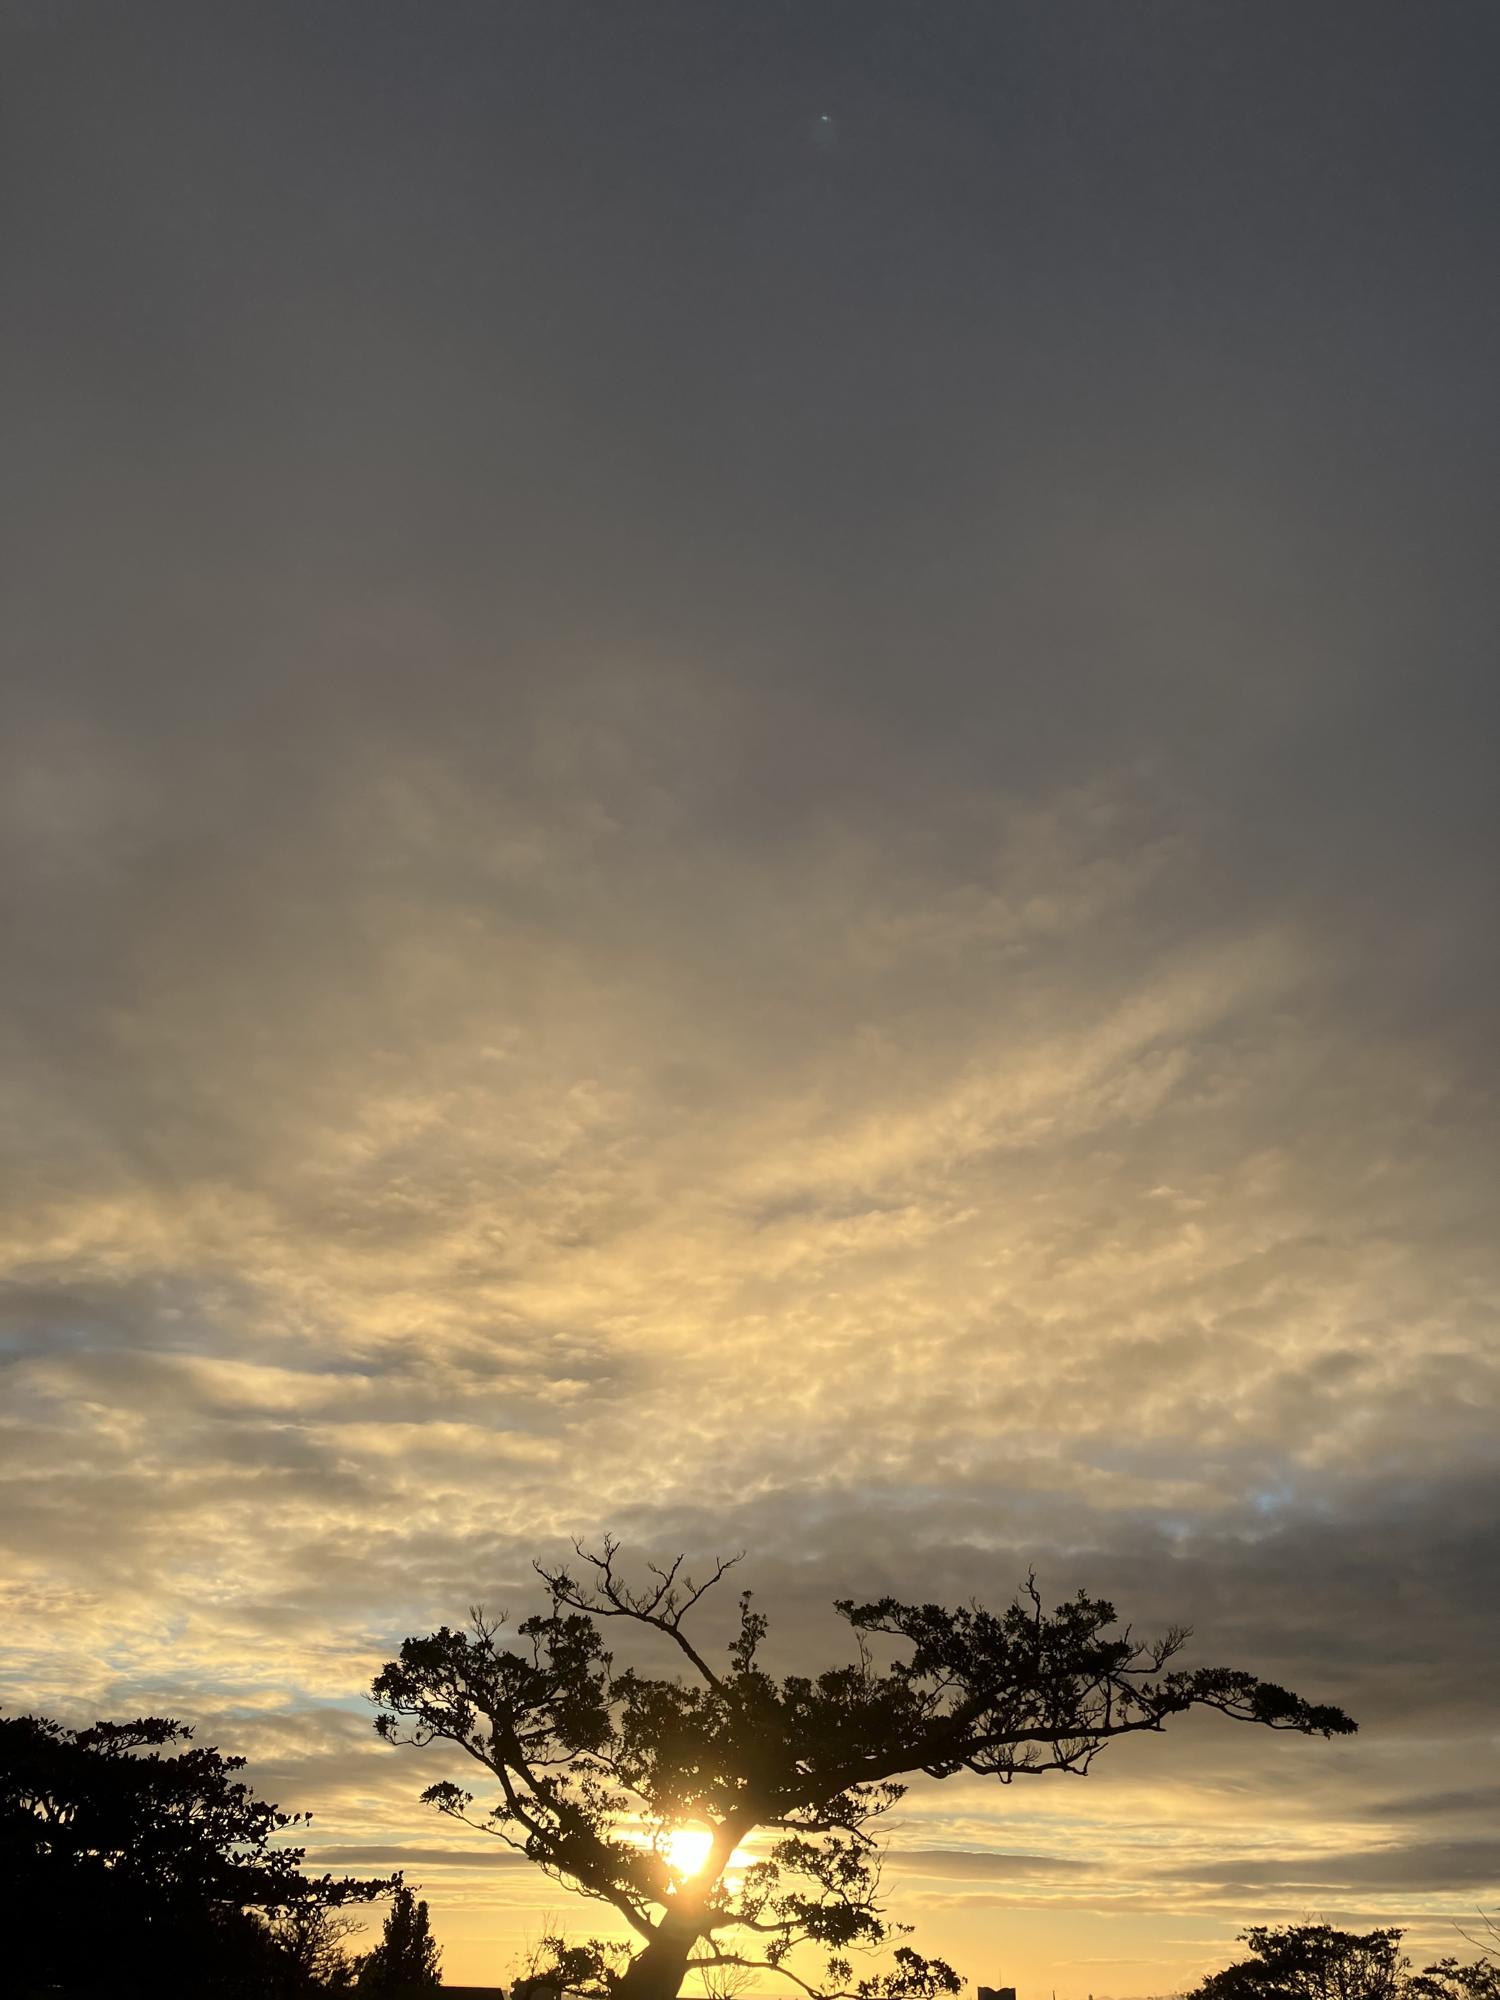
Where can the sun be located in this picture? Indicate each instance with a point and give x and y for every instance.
(686, 1849)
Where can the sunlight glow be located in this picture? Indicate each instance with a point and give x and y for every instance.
(686, 1849)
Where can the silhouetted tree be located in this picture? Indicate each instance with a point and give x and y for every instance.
(146, 1872)
(307, 1947)
(551, 1966)
(406, 1959)
(1448, 1980)
(1316, 1962)
(598, 1768)
(726, 1982)
(1311, 1962)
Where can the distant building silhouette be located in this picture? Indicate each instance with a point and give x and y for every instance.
(997, 1993)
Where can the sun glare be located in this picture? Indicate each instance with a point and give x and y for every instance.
(686, 1849)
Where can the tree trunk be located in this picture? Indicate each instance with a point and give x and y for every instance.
(657, 1970)
(659, 1967)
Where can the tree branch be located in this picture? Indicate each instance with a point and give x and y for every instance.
(663, 1608)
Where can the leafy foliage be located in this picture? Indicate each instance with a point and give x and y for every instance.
(1316, 1962)
(132, 1864)
(1448, 1980)
(1311, 1962)
(597, 1766)
(406, 1959)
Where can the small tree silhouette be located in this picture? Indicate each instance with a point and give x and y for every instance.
(726, 1982)
(406, 1959)
(1311, 1962)
(1316, 1962)
(308, 1950)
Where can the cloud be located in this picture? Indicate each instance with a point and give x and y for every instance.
(414, 1857)
(959, 1864)
(1453, 1867)
(772, 863)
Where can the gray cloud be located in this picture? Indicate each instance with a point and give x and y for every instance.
(958, 1865)
(1453, 1867)
(771, 847)
(413, 1857)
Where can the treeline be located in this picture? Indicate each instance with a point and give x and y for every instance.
(134, 1864)
(1317, 1962)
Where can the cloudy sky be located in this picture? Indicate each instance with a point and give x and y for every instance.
(748, 794)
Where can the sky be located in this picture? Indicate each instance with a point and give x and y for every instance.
(747, 783)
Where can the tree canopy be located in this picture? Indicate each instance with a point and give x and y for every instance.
(1317, 1962)
(131, 1862)
(1311, 1962)
(603, 1773)
(406, 1959)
